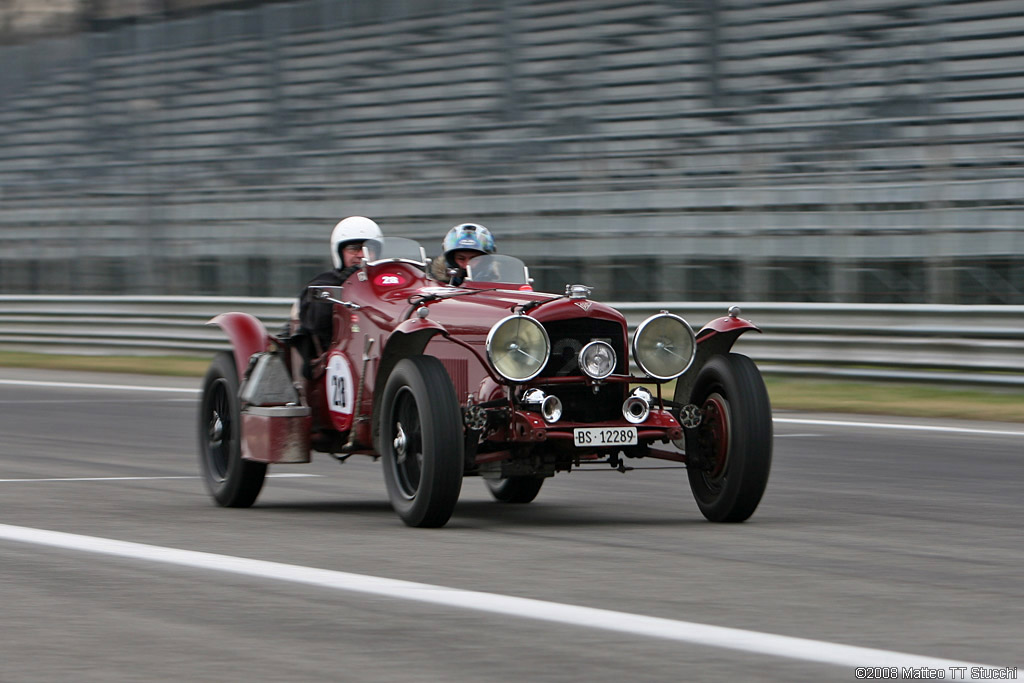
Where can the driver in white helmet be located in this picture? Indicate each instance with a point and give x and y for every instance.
(461, 243)
(315, 317)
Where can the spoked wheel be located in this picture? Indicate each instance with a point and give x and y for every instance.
(421, 441)
(521, 489)
(408, 445)
(232, 482)
(729, 455)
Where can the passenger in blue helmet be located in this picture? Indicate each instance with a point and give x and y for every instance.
(462, 243)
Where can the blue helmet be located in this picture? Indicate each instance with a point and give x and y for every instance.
(468, 236)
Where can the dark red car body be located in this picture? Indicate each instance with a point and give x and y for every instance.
(355, 398)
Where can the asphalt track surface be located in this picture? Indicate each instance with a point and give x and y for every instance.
(880, 542)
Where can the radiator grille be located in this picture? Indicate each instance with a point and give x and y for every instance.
(568, 337)
(458, 370)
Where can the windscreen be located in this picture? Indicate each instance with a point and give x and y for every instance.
(498, 268)
(390, 249)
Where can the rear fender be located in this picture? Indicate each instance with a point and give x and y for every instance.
(715, 338)
(247, 335)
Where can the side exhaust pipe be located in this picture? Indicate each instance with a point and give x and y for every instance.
(550, 407)
(638, 406)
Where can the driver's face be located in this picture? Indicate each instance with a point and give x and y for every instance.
(463, 256)
(351, 254)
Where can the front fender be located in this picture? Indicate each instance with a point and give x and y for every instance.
(418, 324)
(408, 339)
(715, 338)
(721, 333)
(247, 335)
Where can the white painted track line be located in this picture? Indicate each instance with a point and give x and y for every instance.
(282, 475)
(83, 385)
(586, 617)
(896, 425)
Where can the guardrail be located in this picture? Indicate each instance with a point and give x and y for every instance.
(143, 325)
(933, 343)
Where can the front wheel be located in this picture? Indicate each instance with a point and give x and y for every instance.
(730, 453)
(520, 489)
(421, 441)
(232, 481)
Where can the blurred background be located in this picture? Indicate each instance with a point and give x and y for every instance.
(765, 150)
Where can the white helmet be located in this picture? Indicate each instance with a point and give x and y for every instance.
(352, 229)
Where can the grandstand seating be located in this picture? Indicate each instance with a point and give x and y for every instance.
(878, 137)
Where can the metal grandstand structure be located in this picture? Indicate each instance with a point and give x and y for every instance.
(770, 150)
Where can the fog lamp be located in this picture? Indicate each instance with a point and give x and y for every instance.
(597, 359)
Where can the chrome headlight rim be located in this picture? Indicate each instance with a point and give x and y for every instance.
(596, 344)
(489, 345)
(639, 331)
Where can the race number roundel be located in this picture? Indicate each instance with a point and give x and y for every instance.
(389, 280)
(340, 391)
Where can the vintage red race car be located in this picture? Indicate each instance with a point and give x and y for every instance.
(488, 379)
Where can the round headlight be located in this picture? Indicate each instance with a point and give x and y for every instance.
(518, 347)
(664, 346)
(597, 359)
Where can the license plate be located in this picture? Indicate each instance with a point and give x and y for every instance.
(604, 436)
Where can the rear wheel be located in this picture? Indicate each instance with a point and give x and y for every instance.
(421, 442)
(232, 481)
(729, 455)
(522, 489)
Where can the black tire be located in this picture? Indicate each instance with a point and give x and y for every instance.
(232, 482)
(734, 439)
(421, 442)
(515, 489)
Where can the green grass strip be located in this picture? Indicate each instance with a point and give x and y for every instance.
(176, 366)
